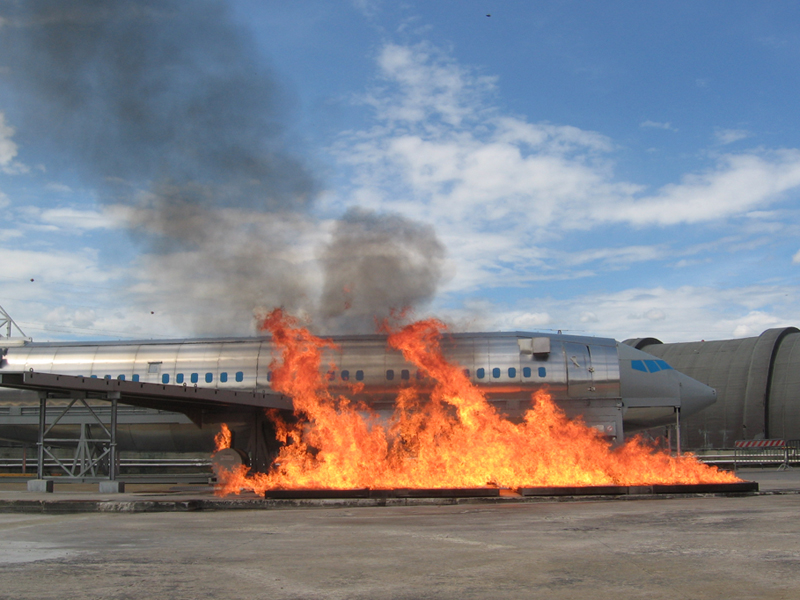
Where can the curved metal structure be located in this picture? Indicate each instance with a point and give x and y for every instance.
(757, 379)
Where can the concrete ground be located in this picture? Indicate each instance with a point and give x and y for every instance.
(688, 548)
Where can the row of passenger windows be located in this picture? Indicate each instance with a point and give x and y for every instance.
(649, 366)
(180, 377)
(405, 375)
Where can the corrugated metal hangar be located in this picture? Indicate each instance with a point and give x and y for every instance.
(757, 381)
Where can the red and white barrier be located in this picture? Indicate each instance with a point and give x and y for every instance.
(760, 443)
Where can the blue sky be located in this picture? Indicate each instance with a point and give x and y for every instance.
(621, 169)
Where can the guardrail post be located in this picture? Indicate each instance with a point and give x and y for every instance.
(40, 442)
(785, 466)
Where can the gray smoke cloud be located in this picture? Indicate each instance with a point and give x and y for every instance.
(375, 263)
(165, 107)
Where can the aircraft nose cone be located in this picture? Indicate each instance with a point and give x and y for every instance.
(695, 396)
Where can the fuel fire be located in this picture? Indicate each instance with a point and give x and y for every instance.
(452, 438)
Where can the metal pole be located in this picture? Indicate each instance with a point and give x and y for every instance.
(112, 469)
(678, 429)
(40, 443)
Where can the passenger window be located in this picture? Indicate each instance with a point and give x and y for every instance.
(239, 376)
(194, 378)
(209, 377)
(481, 373)
(390, 374)
(136, 377)
(345, 375)
(223, 377)
(542, 372)
(93, 377)
(359, 375)
(121, 377)
(512, 372)
(638, 365)
(179, 378)
(526, 372)
(269, 375)
(106, 376)
(165, 378)
(420, 375)
(331, 375)
(496, 373)
(405, 375)
(466, 373)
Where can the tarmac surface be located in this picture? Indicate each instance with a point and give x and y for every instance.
(676, 547)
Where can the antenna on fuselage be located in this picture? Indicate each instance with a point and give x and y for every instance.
(8, 326)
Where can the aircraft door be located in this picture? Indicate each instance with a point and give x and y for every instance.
(580, 380)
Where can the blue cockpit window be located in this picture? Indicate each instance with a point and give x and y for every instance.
(652, 366)
(638, 365)
(663, 364)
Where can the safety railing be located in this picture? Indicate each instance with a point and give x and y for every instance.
(754, 453)
(26, 466)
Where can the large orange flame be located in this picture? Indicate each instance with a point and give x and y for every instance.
(452, 438)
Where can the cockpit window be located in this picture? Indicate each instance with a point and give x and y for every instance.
(652, 366)
(638, 365)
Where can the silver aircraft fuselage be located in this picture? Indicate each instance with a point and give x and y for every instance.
(606, 383)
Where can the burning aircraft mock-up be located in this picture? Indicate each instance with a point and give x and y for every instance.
(612, 387)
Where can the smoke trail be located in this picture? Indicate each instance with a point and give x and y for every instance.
(167, 110)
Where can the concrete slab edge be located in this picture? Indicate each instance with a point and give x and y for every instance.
(56, 506)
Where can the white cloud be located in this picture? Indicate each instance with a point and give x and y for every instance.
(530, 320)
(8, 149)
(78, 219)
(737, 184)
(728, 136)
(656, 125)
(499, 188)
(669, 314)
(796, 258)
(754, 323)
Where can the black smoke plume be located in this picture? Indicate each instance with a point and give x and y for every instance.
(165, 107)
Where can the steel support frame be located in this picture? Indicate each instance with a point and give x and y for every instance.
(89, 464)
